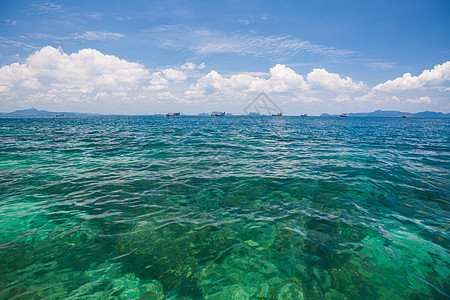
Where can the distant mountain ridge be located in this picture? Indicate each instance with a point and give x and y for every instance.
(395, 114)
(33, 112)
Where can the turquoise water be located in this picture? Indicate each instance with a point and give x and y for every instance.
(224, 208)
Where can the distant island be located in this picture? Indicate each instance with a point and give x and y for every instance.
(33, 112)
(394, 114)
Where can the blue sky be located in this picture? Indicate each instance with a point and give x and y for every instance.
(199, 56)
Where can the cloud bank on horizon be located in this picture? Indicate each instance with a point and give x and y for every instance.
(88, 76)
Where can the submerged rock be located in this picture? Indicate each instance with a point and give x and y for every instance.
(286, 289)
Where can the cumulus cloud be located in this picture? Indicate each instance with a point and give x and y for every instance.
(17, 74)
(101, 95)
(188, 66)
(372, 97)
(175, 75)
(161, 79)
(171, 97)
(208, 84)
(412, 89)
(158, 82)
(281, 79)
(320, 78)
(434, 78)
(50, 75)
(52, 70)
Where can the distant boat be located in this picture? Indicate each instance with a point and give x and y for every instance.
(404, 116)
(277, 115)
(218, 114)
(343, 115)
(173, 115)
(59, 115)
(303, 115)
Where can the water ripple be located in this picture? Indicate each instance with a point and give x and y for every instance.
(199, 207)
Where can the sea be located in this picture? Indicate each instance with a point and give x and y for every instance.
(235, 207)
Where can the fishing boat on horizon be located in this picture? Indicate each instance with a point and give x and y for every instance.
(218, 114)
(404, 116)
(303, 115)
(277, 114)
(173, 115)
(344, 115)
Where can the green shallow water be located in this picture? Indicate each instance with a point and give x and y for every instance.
(224, 208)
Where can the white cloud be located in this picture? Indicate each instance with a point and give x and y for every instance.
(208, 84)
(343, 98)
(194, 94)
(412, 89)
(17, 74)
(214, 83)
(158, 82)
(205, 42)
(189, 66)
(88, 35)
(4, 89)
(424, 99)
(98, 35)
(175, 75)
(282, 80)
(305, 99)
(434, 78)
(8, 43)
(166, 95)
(260, 74)
(88, 70)
(372, 97)
(101, 95)
(320, 78)
(367, 97)
(88, 76)
(171, 97)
